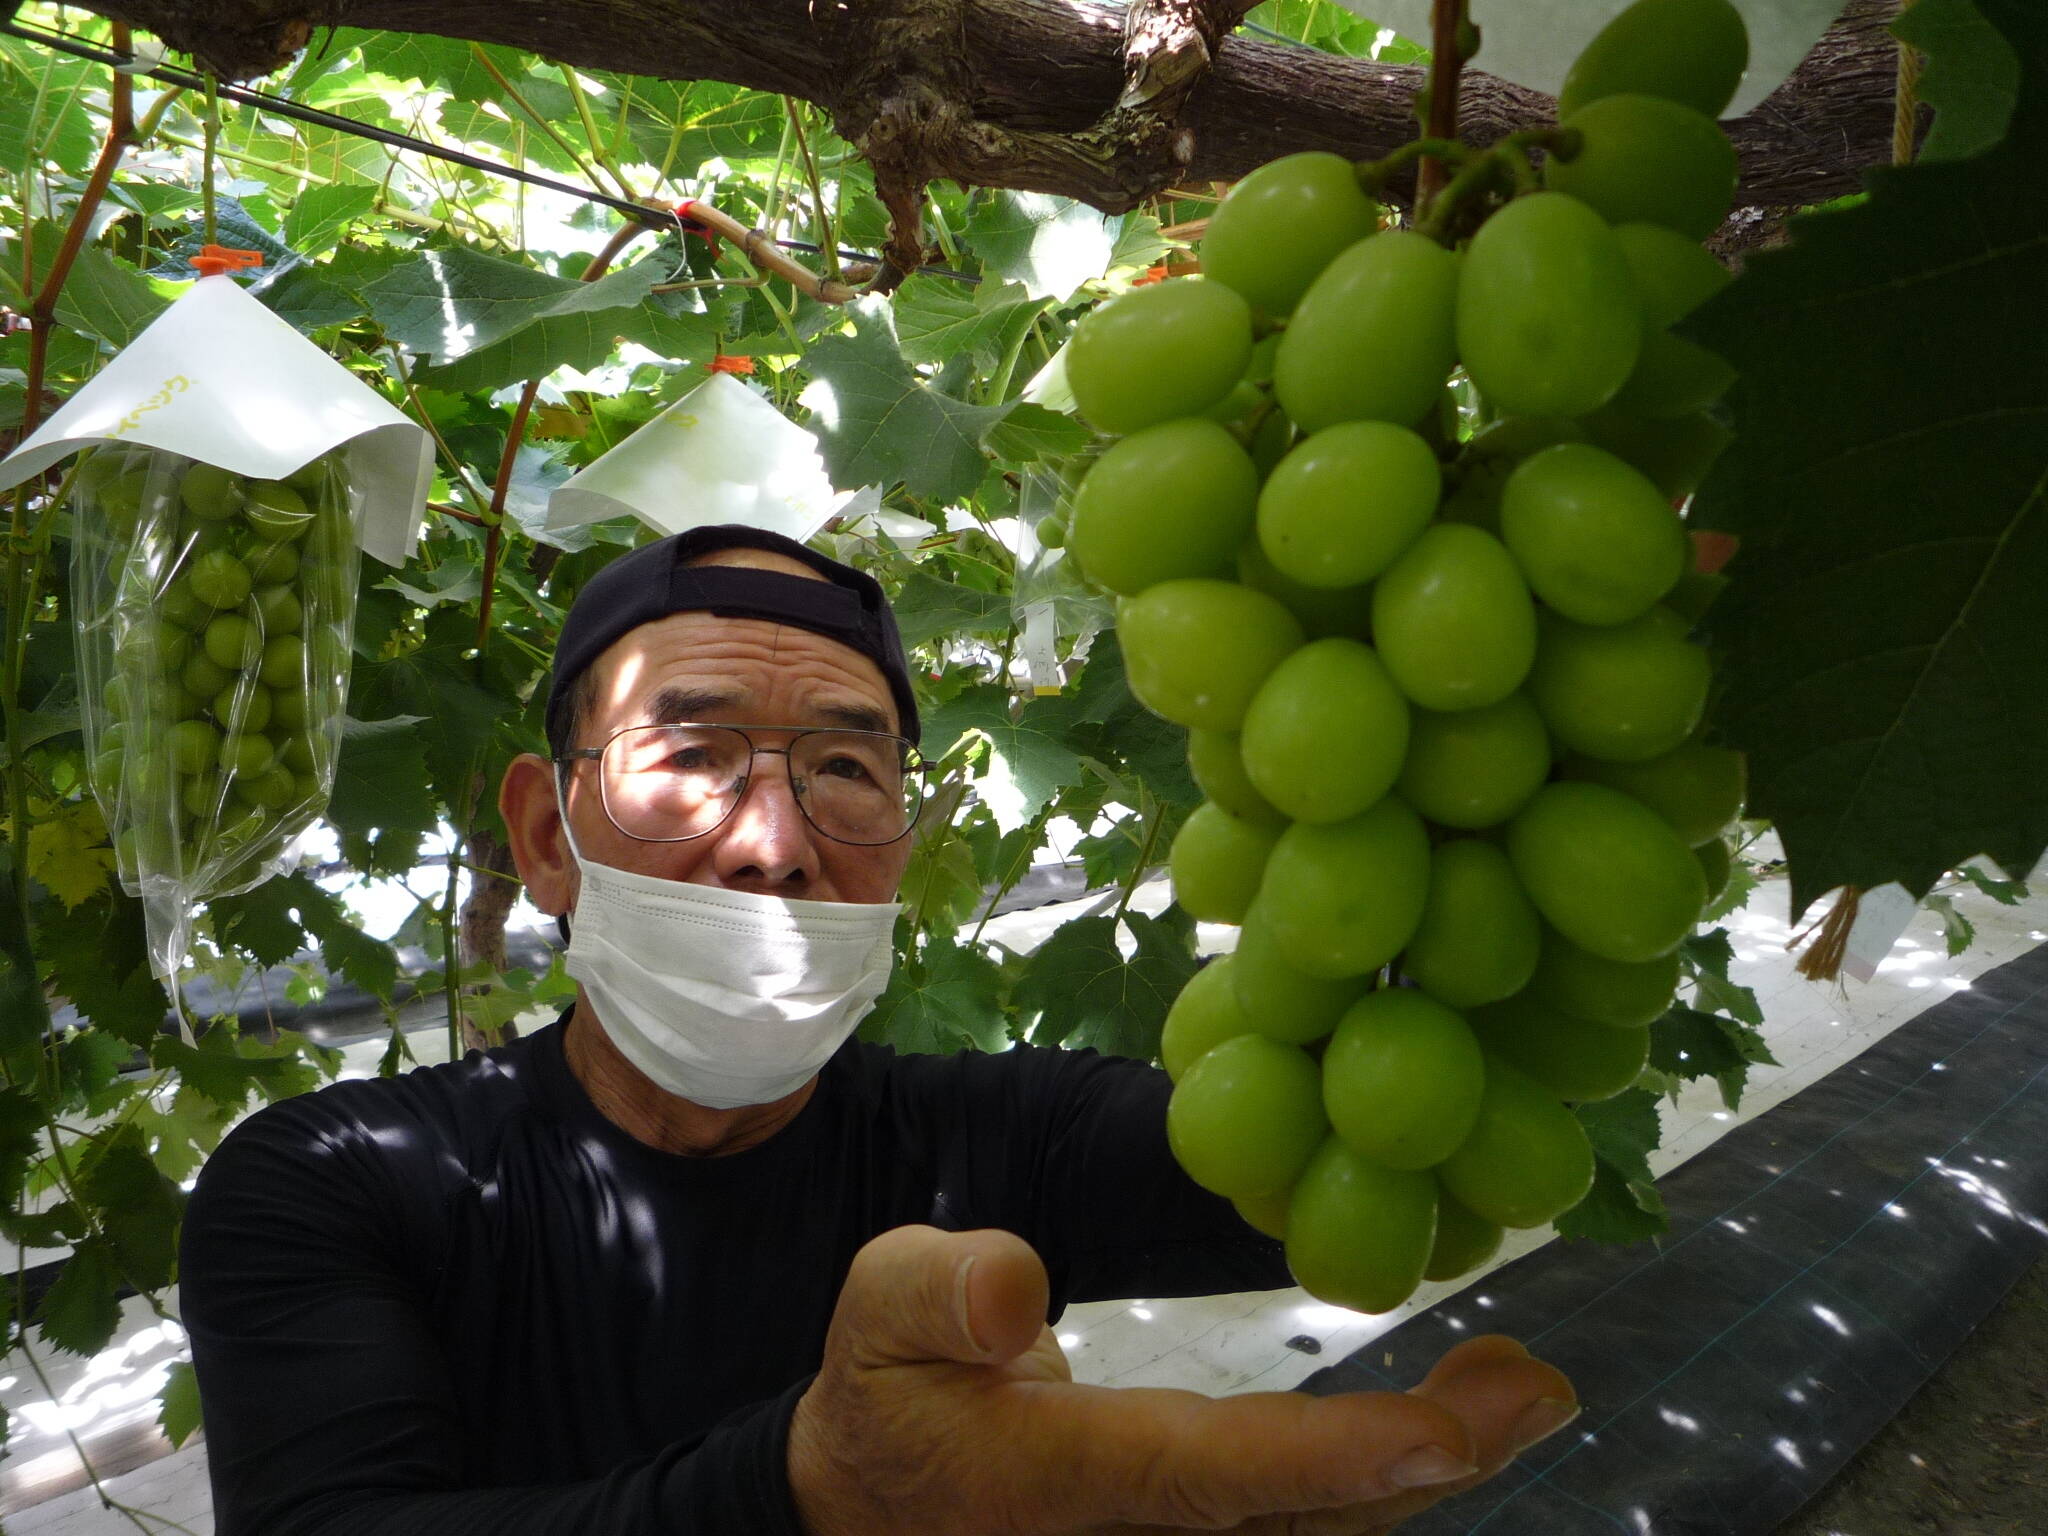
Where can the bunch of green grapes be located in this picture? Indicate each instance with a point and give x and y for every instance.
(215, 636)
(1442, 688)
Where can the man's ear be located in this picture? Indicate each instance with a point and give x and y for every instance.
(540, 844)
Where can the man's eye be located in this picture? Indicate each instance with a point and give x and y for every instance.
(844, 768)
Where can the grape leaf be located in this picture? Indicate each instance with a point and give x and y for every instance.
(322, 213)
(878, 422)
(1970, 79)
(951, 999)
(138, 1208)
(1623, 1206)
(178, 1403)
(1031, 432)
(1086, 993)
(68, 852)
(1957, 931)
(1688, 1043)
(939, 318)
(218, 1070)
(21, 1122)
(105, 297)
(1883, 641)
(260, 923)
(1029, 763)
(382, 804)
(346, 950)
(1051, 245)
(98, 958)
(928, 607)
(79, 1313)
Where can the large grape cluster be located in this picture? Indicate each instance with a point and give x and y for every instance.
(215, 648)
(1442, 689)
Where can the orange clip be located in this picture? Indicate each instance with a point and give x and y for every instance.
(726, 364)
(213, 260)
(692, 225)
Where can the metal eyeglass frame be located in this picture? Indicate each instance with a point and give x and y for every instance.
(917, 763)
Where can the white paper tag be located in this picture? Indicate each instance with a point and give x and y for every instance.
(721, 454)
(1881, 917)
(218, 377)
(1038, 642)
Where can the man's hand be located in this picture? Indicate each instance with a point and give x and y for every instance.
(945, 1408)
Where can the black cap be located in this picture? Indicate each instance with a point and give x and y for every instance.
(657, 580)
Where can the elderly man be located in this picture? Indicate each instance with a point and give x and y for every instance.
(691, 1260)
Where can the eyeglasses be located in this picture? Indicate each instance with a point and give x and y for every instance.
(670, 783)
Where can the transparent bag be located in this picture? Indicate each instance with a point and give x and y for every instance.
(215, 615)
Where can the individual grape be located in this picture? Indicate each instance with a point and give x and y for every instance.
(1165, 350)
(1463, 1241)
(1715, 864)
(1673, 376)
(1170, 501)
(284, 661)
(1484, 464)
(1323, 611)
(120, 502)
(276, 609)
(1527, 1160)
(245, 755)
(1218, 770)
(278, 513)
(1575, 1059)
(1347, 500)
(1324, 736)
(270, 564)
(1604, 870)
(1401, 1079)
(1359, 1235)
(1622, 692)
(1266, 1213)
(204, 676)
(196, 537)
(173, 647)
(1619, 994)
(301, 754)
(1453, 621)
(312, 476)
(210, 492)
(1195, 652)
(1642, 159)
(1479, 935)
(105, 773)
(1282, 224)
(1051, 531)
(1675, 454)
(1204, 1015)
(1689, 51)
(1343, 899)
(1246, 1117)
(201, 797)
(182, 606)
(243, 706)
(1593, 537)
(219, 580)
(1474, 768)
(271, 790)
(1549, 323)
(1372, 339)
(232, 642)
(1279, 1000)
(290, 708)
(195, 746)
(1216, 863)
(1698, 789)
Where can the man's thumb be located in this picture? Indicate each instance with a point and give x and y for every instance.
(920, 1294)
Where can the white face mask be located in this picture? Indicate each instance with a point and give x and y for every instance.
(722, 997)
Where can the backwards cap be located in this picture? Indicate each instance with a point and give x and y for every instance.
(657, 580)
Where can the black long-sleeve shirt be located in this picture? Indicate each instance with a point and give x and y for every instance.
(463, 1301)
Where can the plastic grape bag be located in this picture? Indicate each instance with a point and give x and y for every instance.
(232, 475)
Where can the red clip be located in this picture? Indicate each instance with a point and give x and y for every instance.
(726, 364)
(213, 260)
(692, 225)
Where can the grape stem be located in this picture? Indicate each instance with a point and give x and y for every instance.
(1374, 176)
(1453, 40)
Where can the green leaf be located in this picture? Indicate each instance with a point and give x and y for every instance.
(1623, 1205)
(21, 1123)
(929, 608)
(1031, 432)
(1708, 957)
(1687, 1043)
(1086, 993)
(89, 1064)
(216, 1068)
(178, 1404)
(98, 957)
(1028, 762)
(79, 1313)
(382, 804)
(345, 949)
(434, 61)
(2007, 893)
(487, 322)
(950, 999)
(138, 1209)
(1051, 245)
(105, 297)
(939, 318)
(1883, 640)
(321, 214)
(260, 923)
(1971, 78)
(459, 581)
(878, 423)
(1957, 931)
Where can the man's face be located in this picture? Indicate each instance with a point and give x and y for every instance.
(749, 673)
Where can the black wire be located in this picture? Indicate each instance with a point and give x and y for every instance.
(640, 213)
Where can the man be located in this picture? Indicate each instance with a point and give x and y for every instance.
(684, 1262)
